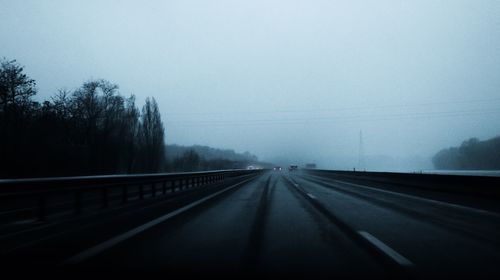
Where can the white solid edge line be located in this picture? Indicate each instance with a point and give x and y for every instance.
(386, 249)
(86, 254)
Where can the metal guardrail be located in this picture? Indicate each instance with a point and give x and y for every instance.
(40, 189)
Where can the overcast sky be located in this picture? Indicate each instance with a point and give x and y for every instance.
(281, 79)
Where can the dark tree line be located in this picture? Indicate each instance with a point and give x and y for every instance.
(201, 158)
(472, 154)
(191, 160)
(87, 131)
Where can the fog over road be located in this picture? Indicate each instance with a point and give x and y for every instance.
(289, 81)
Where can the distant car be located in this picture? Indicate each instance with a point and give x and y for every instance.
(293, 167)
(277, 168)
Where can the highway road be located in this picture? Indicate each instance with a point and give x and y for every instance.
(293, 224)
(299, 225)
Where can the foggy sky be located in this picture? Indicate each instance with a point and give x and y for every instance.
(289, 80)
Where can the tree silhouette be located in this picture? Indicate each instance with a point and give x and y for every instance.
(472, 154)
(16, 88)
(90, 130)
(151, 134)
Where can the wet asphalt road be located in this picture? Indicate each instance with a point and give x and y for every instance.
(291, 224)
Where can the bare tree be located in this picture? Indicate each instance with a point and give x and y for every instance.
(16, 88)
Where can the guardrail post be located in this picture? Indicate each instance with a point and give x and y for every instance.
(104, 194)
(163, 187)
(78, 202)
(124, 194)
(153, 189)
(41, 207)
(141, 191)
